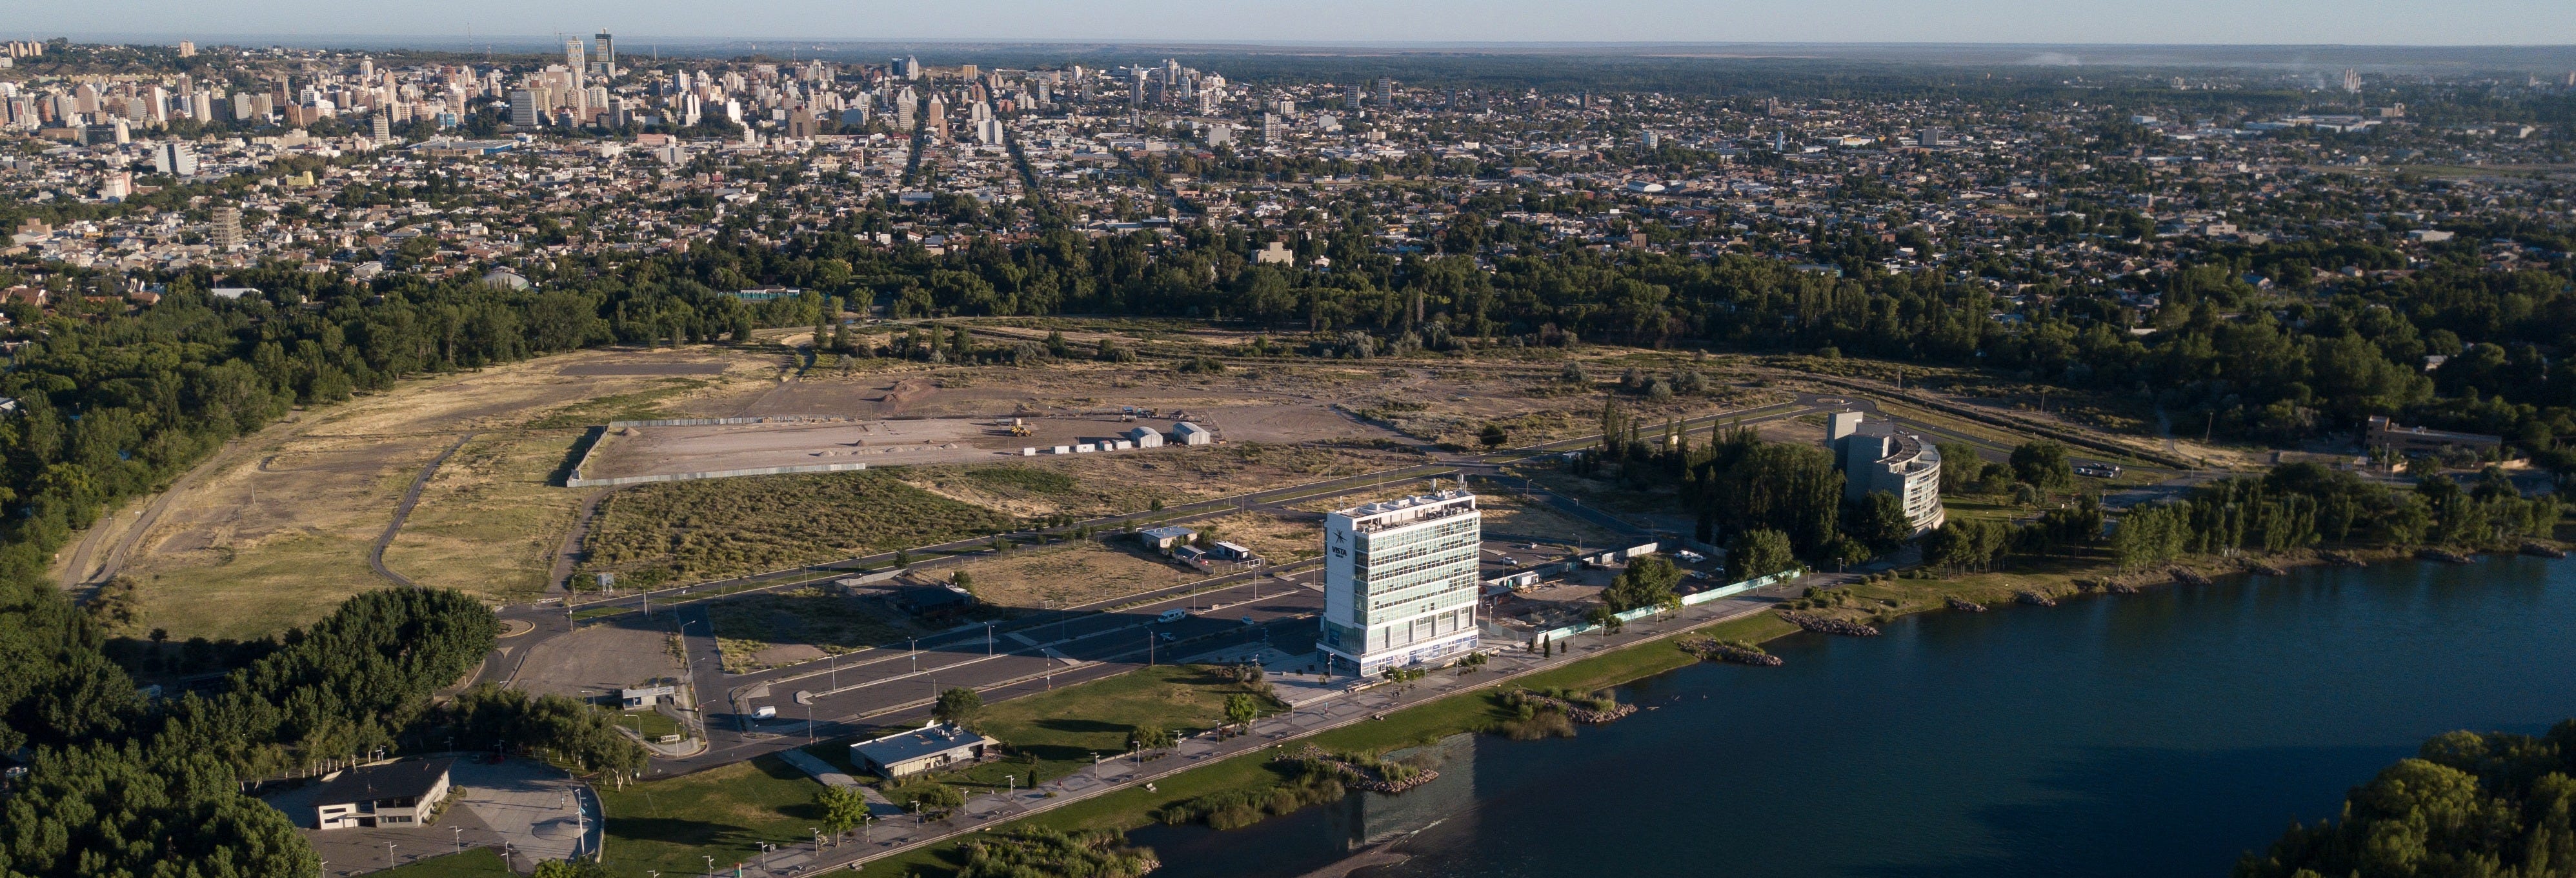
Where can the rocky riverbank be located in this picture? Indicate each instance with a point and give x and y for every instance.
(1736, 651)
(1827, 624)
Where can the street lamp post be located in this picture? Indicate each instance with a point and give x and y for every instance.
(460, 838)
(818, 838)
(389, 855)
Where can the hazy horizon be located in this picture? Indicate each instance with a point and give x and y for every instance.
(1352, 23)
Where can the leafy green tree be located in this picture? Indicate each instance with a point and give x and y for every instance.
(1241, 709)
(1648, 582)
(1493, 436)
(959, 705)
(2467, 804)
(1757, 553)
(1148, 738)
(1878, 523)
(1961, 468)
(2043, 464)
(844, 808)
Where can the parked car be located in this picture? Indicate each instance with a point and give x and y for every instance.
(1173, 615)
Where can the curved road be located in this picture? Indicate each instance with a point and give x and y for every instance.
(402, 511)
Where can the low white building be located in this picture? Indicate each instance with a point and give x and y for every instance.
(1187, 433)
(934, 746)
(1146, 437)
(394, 794)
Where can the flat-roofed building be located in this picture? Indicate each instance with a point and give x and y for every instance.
(1400, 583)
(934, 746)
(394, 794)
(2385, 433)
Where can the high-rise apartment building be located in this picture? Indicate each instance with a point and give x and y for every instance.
(1271, 130)
(1385, 91)
(174, 158)
(187, 49)
(1351, 98)
(1400, 583)
(225, 232)
(573, 54)
(523, 109)
(381, 125)
(604, 49)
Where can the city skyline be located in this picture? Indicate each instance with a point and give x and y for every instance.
(1340, 22)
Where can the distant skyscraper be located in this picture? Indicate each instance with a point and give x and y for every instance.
(225, 232)
(382, 126)
(523, 109)
(2351, 80)
(1385, 91)
(605, 47)
(1271, 130)
(187, 49)
(573, 54)
(1351, 98)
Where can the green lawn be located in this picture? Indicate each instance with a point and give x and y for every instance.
(667, 825)
(473, 863)
(653, 724)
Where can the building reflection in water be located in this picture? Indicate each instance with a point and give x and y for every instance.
(1361, 820)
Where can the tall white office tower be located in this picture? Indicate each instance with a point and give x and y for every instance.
(1400, 583)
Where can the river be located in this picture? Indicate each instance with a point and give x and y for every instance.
(2158, 735)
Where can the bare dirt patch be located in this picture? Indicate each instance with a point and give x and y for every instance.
(1071, 574)
(600, 657)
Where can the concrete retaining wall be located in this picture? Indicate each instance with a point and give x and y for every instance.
(578, 482)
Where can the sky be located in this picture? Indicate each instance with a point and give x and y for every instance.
(2350, 22)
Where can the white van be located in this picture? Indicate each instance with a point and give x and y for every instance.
(1172, 616)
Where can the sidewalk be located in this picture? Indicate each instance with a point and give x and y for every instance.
(983, 812)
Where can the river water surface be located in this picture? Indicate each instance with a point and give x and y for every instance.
(2148, 735)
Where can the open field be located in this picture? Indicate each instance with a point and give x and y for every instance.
(775, 628)
(490, 520)
(685, 531)
(276, 528)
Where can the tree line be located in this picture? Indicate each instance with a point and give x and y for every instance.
(2491, 805)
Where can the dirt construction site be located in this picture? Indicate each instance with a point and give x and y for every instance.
(955, 418)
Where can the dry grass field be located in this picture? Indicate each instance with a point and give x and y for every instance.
(275, 529)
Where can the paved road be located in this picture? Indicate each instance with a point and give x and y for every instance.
(987, 811)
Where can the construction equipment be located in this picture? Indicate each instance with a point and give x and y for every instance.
(1021, 430)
